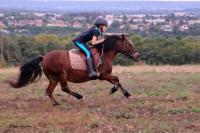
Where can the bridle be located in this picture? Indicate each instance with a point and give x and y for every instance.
(125, 49)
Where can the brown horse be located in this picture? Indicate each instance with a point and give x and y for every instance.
(57, 68)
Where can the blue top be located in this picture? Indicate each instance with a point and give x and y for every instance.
(88, 35)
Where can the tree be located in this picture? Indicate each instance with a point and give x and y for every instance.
(115, 24)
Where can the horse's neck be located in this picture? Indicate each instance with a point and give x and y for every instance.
(110, 55)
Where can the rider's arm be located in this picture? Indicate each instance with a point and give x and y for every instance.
(95, 41)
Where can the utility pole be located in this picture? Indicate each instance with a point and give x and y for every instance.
(2, 61)
(1, 41)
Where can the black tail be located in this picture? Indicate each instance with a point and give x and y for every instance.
(30, 71)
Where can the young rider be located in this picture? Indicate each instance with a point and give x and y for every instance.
(93, 35)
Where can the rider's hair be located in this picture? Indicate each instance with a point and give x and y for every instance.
(98, 25)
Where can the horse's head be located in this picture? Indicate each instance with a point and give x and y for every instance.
(121, 44)
(126, 47)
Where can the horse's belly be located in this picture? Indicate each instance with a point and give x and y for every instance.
(78, 76)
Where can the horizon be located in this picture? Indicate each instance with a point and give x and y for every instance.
(96, 5)
(120, 0)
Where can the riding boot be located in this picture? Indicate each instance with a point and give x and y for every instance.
(91, 71)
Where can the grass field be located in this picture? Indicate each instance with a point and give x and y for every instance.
(166, 100)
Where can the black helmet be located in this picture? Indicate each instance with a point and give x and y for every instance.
(101, 21)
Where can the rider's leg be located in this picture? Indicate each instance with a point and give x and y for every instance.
(86, 50)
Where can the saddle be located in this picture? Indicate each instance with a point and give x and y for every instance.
(78, 58)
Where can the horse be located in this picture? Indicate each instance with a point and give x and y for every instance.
(57, 68)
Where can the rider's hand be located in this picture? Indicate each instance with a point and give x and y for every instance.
(103, 39)
(95, 41)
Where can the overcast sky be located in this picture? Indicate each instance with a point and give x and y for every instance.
(116, 0)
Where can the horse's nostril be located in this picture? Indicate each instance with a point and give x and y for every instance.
(138, 55)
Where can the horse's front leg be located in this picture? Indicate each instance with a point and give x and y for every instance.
(115, 81)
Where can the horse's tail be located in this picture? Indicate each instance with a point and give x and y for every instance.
(29, 72)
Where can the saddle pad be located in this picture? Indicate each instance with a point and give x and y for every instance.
(77, 62)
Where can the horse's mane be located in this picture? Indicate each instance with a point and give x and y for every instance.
(109, 42)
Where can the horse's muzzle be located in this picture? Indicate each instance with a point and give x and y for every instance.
(136, 56)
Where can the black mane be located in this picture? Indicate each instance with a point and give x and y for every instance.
(109, 42)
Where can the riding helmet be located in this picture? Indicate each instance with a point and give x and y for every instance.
(101, 21)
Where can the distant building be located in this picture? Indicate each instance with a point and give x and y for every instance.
(23, 13)
(138, 20)
(155, 21)
(1, 15)
(77, 24)
(4, 31)
(110, 18)
(2, 25)
(21, 30)
(143, 27)
(167, 28)
(88, 25)
(138, 16)
(133, 27)
(58, 15)
(184, 27)
(179, 14)
(24, 23)
(156, 16)
(176, 22)
(57, 23)
(80, 18)
(118, 19)
(122, 26)
(10, 22)
(38, 22)
(40, 14)
(191, 22)
(52, 18)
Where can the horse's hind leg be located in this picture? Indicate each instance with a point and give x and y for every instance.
(50, 89)
(66, 89)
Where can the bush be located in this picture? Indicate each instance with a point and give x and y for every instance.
(160, 50)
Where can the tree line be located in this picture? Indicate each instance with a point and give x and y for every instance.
(17, 49)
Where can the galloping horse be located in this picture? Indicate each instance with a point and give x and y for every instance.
(57, 68)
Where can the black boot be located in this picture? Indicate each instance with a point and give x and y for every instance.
(91, 72)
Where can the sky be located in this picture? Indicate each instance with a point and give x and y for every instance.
(96, 5)
(115, 0)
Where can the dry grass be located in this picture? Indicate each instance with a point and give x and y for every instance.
(152, 68)
(166, 100)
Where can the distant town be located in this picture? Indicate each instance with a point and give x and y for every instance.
(19, 22)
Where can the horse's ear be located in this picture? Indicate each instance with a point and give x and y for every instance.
(123, 36)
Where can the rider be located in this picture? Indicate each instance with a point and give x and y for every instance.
(92, 35)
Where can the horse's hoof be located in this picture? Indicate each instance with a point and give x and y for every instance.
(132, 97)
(127, 94)
(113, 90)
(56, 104)
(82, 98)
